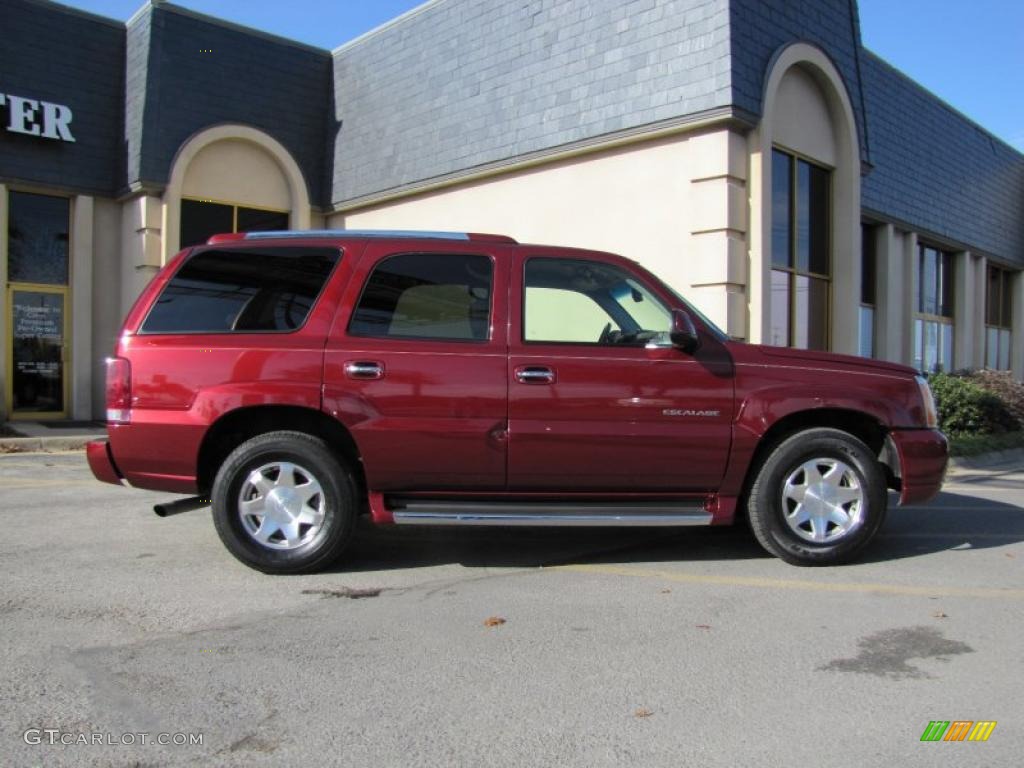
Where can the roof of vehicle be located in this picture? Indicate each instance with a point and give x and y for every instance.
(320, 234)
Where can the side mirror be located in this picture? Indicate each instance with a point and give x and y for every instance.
(683, 334)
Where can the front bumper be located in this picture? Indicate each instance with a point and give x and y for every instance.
(101, 462)
(923, 455)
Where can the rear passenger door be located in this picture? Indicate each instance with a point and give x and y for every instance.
(415, 366)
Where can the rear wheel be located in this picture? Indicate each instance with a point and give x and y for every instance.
(818, 499)
(284, 503)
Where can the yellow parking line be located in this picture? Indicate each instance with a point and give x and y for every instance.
(798, 584)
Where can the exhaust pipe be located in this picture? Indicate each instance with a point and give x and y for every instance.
(181, 505)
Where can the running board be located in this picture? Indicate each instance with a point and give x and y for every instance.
(639, 514)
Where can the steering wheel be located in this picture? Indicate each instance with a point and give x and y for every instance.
(606, 334)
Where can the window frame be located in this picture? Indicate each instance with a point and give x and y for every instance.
(1005, 320)
(590, 344)
(488, 339)
(198, 250)
(867, 235)
(926, 318)
(792, 269)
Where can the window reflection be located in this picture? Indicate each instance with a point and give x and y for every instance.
(800, 253)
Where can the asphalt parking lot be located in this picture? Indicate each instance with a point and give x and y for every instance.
(647, 648)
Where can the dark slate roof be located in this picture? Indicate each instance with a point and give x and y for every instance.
(938, 171)
(188, 72)
(455, 85)
(56, 54)
(760, 28)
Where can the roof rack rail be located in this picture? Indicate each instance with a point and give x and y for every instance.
(367, 233)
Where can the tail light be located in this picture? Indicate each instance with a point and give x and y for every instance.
(119, 390)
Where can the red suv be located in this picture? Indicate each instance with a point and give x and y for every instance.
(298, 379)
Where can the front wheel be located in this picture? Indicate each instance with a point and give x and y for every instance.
(284, 503)
(818, 499)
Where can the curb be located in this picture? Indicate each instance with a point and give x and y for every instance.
(45, 444)
(988, 460)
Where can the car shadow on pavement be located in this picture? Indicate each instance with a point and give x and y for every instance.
(952, 521)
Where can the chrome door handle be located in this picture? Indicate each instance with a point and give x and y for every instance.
(364, 369)
(535, 374)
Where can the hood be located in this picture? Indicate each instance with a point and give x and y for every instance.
(789, 356)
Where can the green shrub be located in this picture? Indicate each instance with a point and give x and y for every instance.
(975, 445)
(967, 409)
(1005, 387)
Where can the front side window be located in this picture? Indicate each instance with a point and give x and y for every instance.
(587, 302)
(243, 290)
(200, 219)
(933, 320)
(801, 261)
(427, 296)
(998, 318)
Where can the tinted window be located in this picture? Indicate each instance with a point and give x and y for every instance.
(256, 220)
(199, 220)
(219, 291)
(782, 226)
(427, 296)
(868, 265)
(37, 239)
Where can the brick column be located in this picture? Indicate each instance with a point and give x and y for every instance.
(910, 280)
(141, 246)
(4, 330)
(718, 228)
(891, 291)
(963, 310)
(83, 367)
(978, 321)
(1017, 333)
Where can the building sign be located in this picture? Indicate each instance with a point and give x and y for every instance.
(37, 118)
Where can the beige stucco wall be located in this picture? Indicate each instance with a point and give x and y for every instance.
(106, 314)
(649, 201)
(141, 246)
(238, 172)
(234, 164)
(801, 120)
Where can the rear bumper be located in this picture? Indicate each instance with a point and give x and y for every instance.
(101, 462)
(924, 454)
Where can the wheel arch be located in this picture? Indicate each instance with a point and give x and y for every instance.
(865, 427)
(238, 425)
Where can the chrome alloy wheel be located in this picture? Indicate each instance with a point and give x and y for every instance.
(282, 505)
(823, 501)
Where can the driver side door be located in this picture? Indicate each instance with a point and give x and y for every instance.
(597, 404)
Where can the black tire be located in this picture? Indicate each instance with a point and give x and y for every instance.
(774, 518)
(315, 545)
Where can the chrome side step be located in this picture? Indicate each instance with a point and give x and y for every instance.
(639, 514)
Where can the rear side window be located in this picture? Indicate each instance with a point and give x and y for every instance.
(243, 290)
(432, 296)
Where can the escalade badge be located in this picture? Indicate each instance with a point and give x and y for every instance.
(688, 412)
